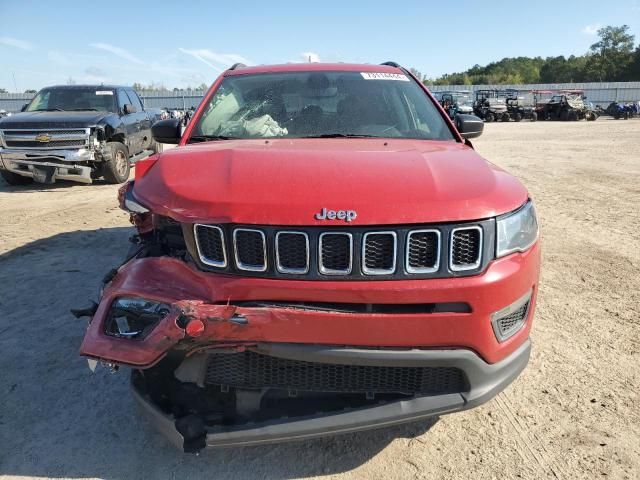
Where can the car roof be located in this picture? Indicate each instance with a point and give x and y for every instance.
(313, 67)
(107, 87)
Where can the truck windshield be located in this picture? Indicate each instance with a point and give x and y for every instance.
(320, 105)
(73, 99)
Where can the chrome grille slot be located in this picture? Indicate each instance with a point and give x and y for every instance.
(335, 253)
(42, 139)
(292, 252)
(379, 250)
(210, 244)
(423, 251)
(466, 248)
(250, 249)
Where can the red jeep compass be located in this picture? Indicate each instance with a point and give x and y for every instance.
(323, 252)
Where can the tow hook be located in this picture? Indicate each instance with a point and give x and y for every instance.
(85, 312)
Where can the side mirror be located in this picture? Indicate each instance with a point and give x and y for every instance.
(24, 107)
(469, 126)
(128, 108)
(167, 131)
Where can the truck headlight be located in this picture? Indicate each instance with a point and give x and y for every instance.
(517, 231)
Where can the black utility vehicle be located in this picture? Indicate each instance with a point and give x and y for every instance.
(76, 132)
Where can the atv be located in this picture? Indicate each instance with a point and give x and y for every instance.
(490, 107)
(568, 105)
(516, 106)
(456, 102)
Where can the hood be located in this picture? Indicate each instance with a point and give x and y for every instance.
(287, 181)
(53, 119)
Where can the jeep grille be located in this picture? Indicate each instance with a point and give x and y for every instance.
(348, 253)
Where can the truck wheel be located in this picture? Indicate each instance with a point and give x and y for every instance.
(116, 170)
(488, 117)
(534, 117)
(505, 117)
(15, 179)
(517, 117)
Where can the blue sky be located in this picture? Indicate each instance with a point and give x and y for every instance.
(187, 43)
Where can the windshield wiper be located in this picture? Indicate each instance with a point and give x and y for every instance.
(48, 110)
(209, 138)
(82, 110)
(340, 135)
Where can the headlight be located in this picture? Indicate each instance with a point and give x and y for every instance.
(134, 317)
(517, 231)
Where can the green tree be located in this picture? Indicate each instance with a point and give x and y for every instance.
(611, 56)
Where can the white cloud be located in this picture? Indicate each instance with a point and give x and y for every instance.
(591, 29)
(118, 52)
(310, 57)
(15, 43)
(210, 58)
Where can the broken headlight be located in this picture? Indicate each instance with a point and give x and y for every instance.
(517, 231)
(134, 317)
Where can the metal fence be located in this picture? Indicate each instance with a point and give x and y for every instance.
(598, 93)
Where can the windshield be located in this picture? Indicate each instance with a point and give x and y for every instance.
(320, 104)
(69, 99)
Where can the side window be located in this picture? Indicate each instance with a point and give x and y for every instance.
(122, 100)
(135, 100)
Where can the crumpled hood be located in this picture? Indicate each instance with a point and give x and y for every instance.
(288, 181)
(26, 120)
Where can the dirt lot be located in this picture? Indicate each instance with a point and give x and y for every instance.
(572, 414)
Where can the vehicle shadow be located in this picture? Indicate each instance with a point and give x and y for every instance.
(59, 420)
(46, 187)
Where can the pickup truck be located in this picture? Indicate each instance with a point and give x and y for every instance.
(78, 133)
(323, 252)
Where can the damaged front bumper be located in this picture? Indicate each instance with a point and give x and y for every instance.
(226, 349)
(47, 166)
(484, 382)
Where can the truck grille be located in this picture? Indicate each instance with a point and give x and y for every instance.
(356, 252)
(46, 139)
(254, 370)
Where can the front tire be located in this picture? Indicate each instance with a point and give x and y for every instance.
(15, 179)
(116, 170)
(489, 117)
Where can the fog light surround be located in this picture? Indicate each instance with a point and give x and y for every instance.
(134, 318)
(510, 320)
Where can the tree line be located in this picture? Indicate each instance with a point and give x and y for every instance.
(613, 58)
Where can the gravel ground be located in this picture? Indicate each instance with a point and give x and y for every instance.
(572, 414)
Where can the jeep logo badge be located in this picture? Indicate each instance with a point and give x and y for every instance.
(346, 215)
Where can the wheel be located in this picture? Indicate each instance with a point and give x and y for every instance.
(591, 116)
(116, 170)
(15, 179)
(517, 117)
(505, 117)
(489, 117)
(534, 117)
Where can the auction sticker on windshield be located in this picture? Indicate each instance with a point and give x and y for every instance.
(104, 92)
(384, 76)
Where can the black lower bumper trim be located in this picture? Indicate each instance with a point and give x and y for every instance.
(485, 380)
